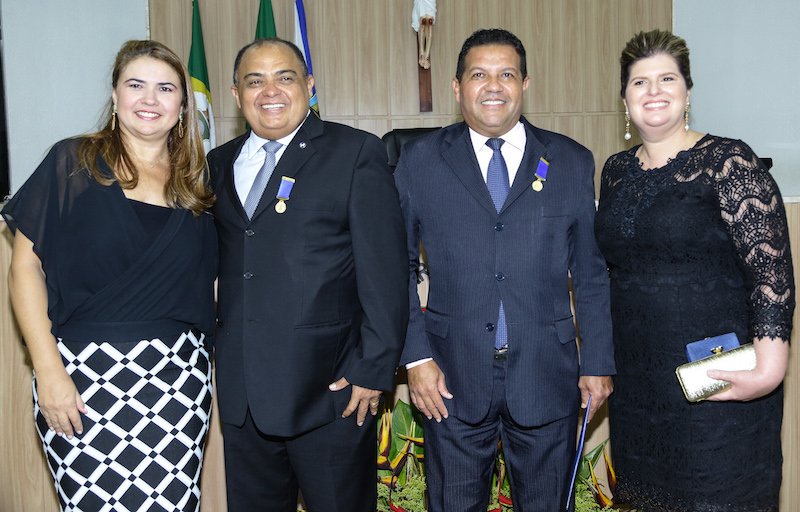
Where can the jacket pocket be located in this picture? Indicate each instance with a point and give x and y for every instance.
(436, 325)
(311, 205)
(554, 211)
(565, 329)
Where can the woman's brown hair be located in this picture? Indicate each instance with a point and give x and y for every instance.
(648, 44)
(187, 186)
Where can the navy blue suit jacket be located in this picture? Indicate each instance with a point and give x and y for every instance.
(313, 294)
(533, 246)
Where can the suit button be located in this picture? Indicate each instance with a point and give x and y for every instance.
(499, 226)
(247, 275)
(490, 327)
(220, 323)
(249, 232)
(500, 276)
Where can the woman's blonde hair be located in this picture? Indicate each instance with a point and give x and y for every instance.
(187, 186)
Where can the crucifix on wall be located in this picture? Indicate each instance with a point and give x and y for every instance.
(423, 15)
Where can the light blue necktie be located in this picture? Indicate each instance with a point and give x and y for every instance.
(497, 182)
(262, 178)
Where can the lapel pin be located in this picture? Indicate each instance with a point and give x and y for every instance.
(302, 145)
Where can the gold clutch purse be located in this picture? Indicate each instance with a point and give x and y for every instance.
(698, 386)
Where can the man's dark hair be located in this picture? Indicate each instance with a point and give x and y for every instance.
(269, 41)
(488, 36)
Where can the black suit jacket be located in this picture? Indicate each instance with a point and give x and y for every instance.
(314, 294)
(523, 255)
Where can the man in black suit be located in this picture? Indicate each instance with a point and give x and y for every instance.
(505, 212)
(312, 284)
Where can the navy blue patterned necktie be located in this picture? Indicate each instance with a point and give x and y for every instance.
(262, 178)
(497, 182)
(497, 174)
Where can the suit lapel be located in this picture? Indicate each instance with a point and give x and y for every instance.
(294, 157)
(534, 150)
(230, 183)
(460, 156)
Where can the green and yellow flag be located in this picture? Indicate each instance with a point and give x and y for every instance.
(200, 82)
(265, 25)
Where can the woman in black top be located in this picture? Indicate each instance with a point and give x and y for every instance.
(694, 231)
(112, 285)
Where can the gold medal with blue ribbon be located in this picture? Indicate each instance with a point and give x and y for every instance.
(541, 175)
(284, 193)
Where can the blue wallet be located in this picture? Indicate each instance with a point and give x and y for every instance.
(707, 347)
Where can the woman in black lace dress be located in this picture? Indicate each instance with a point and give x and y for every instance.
(694, 232)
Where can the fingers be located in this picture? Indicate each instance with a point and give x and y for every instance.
(81, 405)
(744, 385)
(599, 387)
(430, 404)
(373, 406)
(60, 403)
(339, 384)
(426, 384)
(64, 422)
(442, 387)
(362, 400)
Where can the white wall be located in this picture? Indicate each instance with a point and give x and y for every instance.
(57, 57)
(745, 57)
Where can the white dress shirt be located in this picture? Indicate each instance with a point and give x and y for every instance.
(251, 158)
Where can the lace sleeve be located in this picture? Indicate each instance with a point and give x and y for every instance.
(751, 206)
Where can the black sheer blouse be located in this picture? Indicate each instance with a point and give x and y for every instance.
(108, 279)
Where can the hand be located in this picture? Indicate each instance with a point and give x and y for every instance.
(361, 399)
(772, 357)
(600, 387)
(60, 402)
(426, 384)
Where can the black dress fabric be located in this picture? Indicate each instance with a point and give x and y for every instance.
(696, 248)
(102, 267)
(130, 298)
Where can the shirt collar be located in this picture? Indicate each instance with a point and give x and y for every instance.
(254, 143)
(515, 137)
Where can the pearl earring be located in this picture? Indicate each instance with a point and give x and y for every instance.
(627, 135)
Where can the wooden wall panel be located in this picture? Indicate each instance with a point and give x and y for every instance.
(790, 435)
(403, 91)
(372, 48)
(566, 71)
(338, 63)
(602, 75)
(538, 15)
(25, 482)
(365, 56)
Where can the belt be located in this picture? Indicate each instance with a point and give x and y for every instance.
(501, 354)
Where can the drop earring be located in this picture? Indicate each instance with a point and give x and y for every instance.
(114, 117)
(180, 125)
(627, 135)
(686, 116)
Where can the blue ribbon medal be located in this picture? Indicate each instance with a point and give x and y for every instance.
(284, 193)
(541, 175)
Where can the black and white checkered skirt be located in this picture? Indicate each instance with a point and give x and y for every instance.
(142, 443)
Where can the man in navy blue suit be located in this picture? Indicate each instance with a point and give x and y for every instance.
(505, 212)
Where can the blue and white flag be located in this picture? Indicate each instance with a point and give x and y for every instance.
(301, 40)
